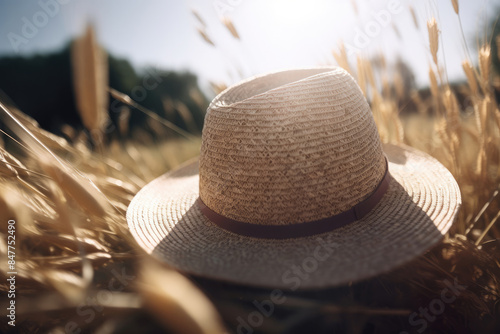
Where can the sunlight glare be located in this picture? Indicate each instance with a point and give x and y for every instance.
(290, 13)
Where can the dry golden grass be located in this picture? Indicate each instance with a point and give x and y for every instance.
(90, 78)
(204, 35)
(71, 228)
(414, 17)
(455, 6)
(69, 203)
(433, 30)
(228, 23)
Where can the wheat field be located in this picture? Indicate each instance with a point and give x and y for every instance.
(80, 270)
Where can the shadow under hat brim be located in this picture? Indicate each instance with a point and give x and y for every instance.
(418, 209)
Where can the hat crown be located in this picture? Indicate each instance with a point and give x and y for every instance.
(289, 147)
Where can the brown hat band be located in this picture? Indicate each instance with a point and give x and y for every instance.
(302, 229)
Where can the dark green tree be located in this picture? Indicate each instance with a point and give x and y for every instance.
(42, 87)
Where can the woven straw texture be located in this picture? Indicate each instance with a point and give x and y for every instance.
(287, 148)
(293, 153)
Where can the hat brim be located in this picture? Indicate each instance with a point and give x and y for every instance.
(418, 209)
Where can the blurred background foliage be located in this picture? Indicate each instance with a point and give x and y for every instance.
(42, 87)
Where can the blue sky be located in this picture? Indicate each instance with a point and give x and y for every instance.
(275, 34)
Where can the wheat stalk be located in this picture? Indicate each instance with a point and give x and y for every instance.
(355, 7)
(455, 5)
(361, 75)
(396, 31)
(90, 80)
(414, 17)
(86, 198)
(433, 30)
(340, 56)
(434, 83)
(179, 304)
(485, 64)
(205, 37)
(198, 17)
(230, 27)
(471, 78)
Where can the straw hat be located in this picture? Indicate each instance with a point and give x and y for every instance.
(293, 189)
